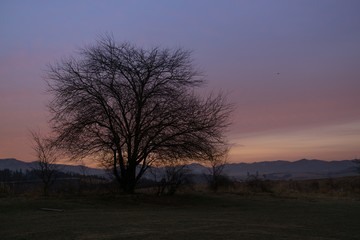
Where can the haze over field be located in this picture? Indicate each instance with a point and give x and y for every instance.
(271, 170)
(290, 67)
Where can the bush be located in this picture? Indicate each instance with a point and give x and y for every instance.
(256, 184)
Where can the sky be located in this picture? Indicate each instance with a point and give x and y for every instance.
(291, 67)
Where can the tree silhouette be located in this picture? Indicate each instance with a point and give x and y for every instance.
(216, 177)
(47, 157)
(130, 107)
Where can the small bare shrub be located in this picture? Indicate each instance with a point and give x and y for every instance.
(256, 184)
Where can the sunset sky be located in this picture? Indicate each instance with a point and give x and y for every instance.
(291, 67)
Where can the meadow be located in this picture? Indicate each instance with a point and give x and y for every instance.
(183, 216)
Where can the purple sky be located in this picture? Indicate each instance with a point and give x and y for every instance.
(291, 67)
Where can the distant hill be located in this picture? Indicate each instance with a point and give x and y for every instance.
(301, 169)
(14, 164)
(274, 170)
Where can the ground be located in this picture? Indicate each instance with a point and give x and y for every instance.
(192, 216)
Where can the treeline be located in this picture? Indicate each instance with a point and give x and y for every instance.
(164, 182)
(7, 175)
(32, 182)
(171, 181)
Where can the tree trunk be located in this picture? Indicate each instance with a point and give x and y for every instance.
(130, 179)
(127, 180)
(46, 189)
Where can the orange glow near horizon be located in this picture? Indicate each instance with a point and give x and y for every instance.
(335, 142)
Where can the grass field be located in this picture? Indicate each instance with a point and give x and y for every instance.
(195, 216)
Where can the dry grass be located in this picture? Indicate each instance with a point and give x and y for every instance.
(337, 188)
(186, 216)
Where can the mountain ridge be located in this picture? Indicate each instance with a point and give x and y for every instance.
(14, 164)
(273, 170)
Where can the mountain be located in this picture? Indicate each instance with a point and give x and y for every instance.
(281, 170)
(301, 169)
(274, 170)
(14, 164)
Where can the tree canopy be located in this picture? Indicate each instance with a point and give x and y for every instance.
(136, 105)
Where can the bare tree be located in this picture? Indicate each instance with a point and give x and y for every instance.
(47, 157)
(131, 106)
(168, 178)
(216, 176)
